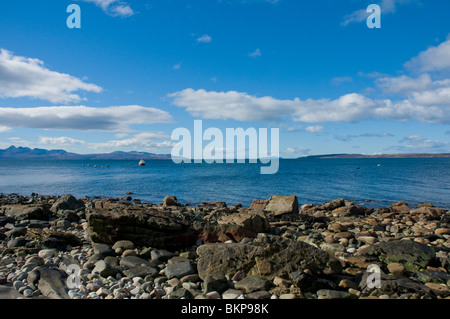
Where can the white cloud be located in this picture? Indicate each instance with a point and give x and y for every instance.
(255, 54)
(347, 108)
(82, 118)
(27, 77)
(314, 129)
(204, 39)
(115, 8)
(231, 105)
(295, 152)
(4, 129)
(177, 66)
(140, 141)
(404, 84)
(63, 140)
(432, 59)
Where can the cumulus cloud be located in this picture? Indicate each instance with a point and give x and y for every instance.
(231, 105)
(352, 107)
(28, 77)
(4, 129)
(432, 59)
(82, 118)
(141, 141)
(63, 140)
(404, 84)
(115, 8)
(314, 129)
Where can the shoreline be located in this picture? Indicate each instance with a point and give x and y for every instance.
(274, 249)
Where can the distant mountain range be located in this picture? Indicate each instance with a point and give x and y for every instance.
(408, 155)
(36, 153)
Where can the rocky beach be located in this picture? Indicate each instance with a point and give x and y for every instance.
(70, 248)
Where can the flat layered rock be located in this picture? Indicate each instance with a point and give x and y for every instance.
(412, 255)
(280, 205)
(143, 227)
(266, 256)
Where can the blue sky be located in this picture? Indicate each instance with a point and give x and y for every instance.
(138, 69)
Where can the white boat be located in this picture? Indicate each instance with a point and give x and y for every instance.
(142, 163)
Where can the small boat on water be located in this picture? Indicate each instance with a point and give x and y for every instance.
(142, 163)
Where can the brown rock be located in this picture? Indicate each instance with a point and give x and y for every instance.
(259, 204)
(266, 256)
(280, 205)
(396, 269)
(346, 235)
(252, 220)
(442, 231)
(171, 201)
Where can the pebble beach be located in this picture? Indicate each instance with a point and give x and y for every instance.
(79, 248)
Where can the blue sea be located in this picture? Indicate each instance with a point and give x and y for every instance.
(369, 182)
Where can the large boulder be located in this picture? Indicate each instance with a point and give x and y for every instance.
(52, 283)
(171, 201)
(22, 212)
(143, 226)
(280, 205)
(67, 202)
(266, 256)
(412, 255)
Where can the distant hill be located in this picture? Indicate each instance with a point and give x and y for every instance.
(409, 155)
(36, 153)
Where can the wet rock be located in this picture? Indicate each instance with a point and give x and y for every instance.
(432, 276)
(412, 255)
